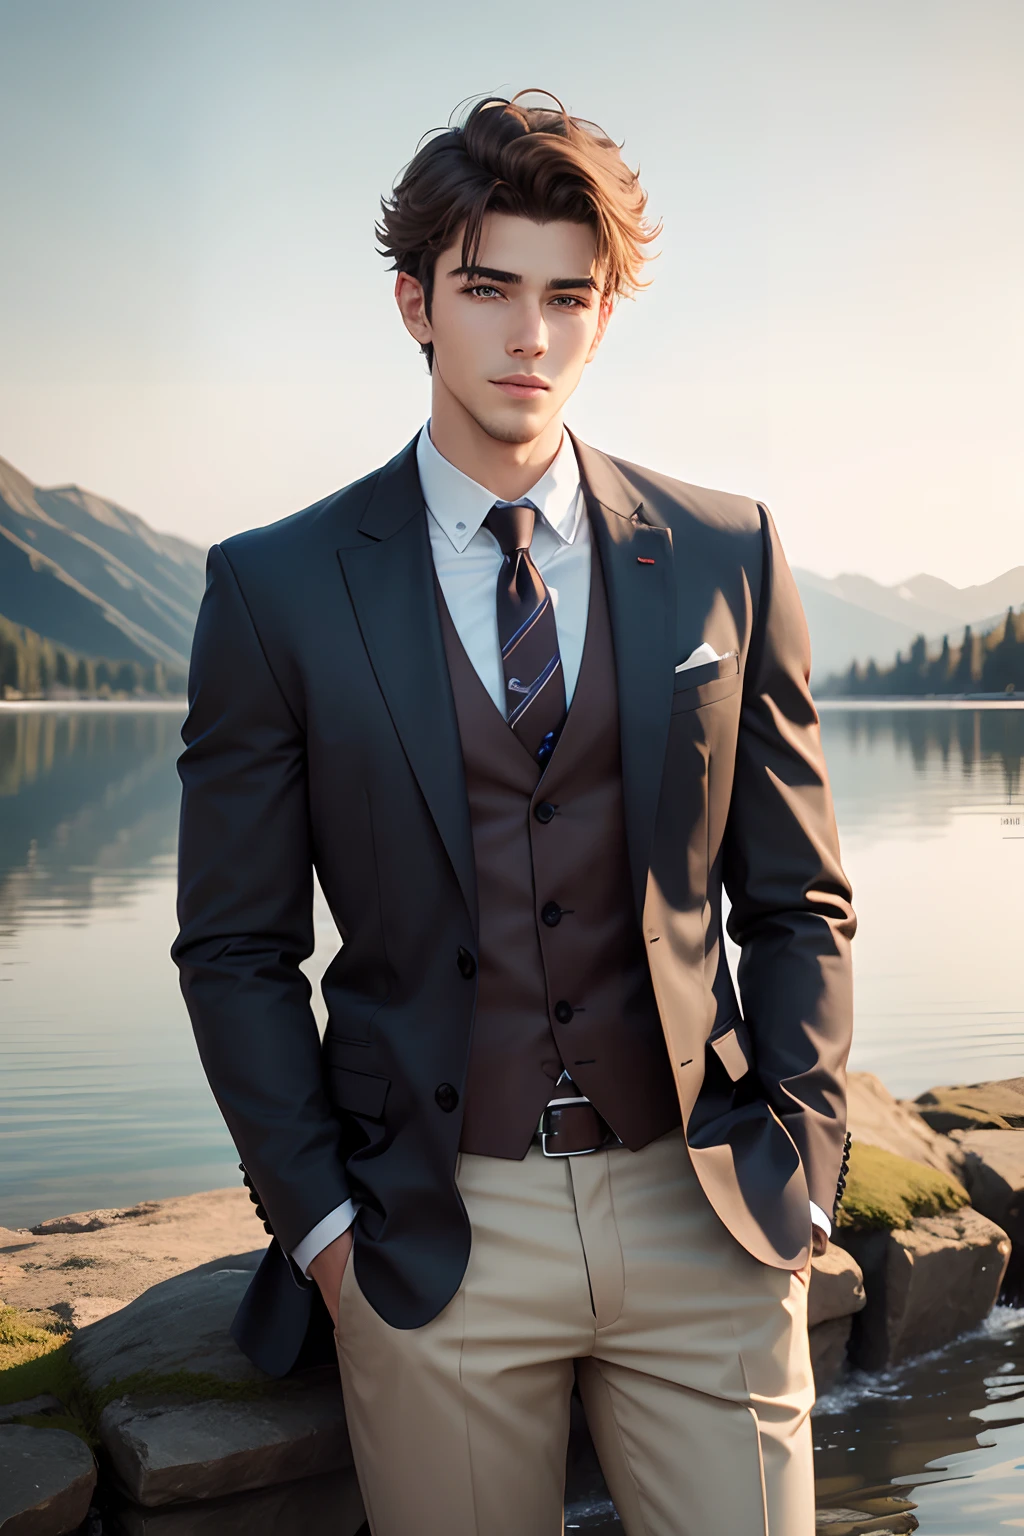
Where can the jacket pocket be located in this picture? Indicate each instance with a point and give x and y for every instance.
(706, 684)
(360, 1093)
(731, 1044)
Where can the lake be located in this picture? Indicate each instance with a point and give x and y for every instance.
(102, 1101)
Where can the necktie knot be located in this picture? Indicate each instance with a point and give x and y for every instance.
(512, 523)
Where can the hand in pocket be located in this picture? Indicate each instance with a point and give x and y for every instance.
(328, 1270)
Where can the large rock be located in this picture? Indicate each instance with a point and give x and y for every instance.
(925, 1284)
(995, 1106)
(47, 1479)
(830, 1346)
(874, 1117)
(836, 1293)
(994, 1176)
(44, 1403)
(836, 1287)
(188, 1417)
(165, 1450)
(93, 1221)
(179, 1325)
(330, 1503)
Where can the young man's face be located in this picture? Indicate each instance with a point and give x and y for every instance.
(511, 337)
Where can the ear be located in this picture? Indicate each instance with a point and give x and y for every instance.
(412, 304)
(604, 315)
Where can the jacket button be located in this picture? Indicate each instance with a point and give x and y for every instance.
(544, 811)
(563, 1011)
(551, 913)
(466, 964)
(446, 1097)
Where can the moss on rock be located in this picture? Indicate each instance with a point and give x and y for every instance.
(191, 1386)
(885, 1192)
(974, 1107)
(24, 1336)
(53, 1371)
(37, 1362)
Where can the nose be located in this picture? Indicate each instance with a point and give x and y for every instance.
(529, 337)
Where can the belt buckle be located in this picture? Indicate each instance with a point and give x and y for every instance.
(580, 1151)
(543, 1134)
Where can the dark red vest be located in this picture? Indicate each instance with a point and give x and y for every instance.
(563, 978)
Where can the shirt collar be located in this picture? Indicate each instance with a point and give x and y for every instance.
(459, 505)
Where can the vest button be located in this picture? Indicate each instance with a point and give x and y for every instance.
(446, 1097)
(551, 913)
(564, 1011)
(466, 963)
(544, 811)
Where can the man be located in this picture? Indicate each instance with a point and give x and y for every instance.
(527, 710)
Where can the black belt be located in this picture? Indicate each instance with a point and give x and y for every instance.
(570, 1126)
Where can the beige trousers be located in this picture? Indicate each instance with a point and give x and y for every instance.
(692, 1356)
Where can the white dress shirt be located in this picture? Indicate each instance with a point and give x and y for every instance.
(467, 559)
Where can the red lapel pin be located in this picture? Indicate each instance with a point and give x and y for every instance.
(644, 560)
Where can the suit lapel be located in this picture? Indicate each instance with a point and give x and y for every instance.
(390, 578)
(637, 561)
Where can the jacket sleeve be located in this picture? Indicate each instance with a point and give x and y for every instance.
(245, 898)
(791, 902)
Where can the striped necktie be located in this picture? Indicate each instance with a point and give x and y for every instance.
(534, 685)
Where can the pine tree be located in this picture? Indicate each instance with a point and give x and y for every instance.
(1003, 666)
(939, 669)
(963, 673)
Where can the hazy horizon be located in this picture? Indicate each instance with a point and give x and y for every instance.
(195, 324)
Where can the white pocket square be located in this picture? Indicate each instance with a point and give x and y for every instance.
(700, 657)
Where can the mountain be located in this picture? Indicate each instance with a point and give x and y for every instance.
(90, 576)
(969, 602)
(852, 618)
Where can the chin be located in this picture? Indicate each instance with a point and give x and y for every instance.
(513, 428)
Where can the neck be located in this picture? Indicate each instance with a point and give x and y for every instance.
(507, 469)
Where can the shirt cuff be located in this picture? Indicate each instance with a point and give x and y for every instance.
(333, 1225)
(818, 1219)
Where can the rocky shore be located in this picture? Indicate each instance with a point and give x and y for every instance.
(126, 1408)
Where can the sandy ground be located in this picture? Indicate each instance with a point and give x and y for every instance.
(81, 1267)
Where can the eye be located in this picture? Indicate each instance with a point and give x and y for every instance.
(482, 290)
(570, 301)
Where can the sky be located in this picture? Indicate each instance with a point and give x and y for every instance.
(194, 320)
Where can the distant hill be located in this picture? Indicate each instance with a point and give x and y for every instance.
(852, 618)
(91, 577)
(86, 575)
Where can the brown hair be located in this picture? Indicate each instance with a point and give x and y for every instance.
(536, 162)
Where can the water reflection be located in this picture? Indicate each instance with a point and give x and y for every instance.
(990, 740)
(83, 794)
(102, 1101)
(945, 1432)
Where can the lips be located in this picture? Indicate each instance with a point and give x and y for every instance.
(521, 387)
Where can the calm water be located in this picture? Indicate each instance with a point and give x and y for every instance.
(102, 1101)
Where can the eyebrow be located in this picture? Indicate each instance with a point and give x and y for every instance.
(495, 275)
